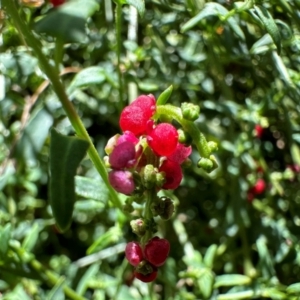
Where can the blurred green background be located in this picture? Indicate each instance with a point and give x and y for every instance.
(239, 61)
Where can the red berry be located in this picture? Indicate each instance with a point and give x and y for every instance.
(173, 174)
(156, 251)
(135, 116)
(134, 253)
(122, 156)
(121, 181)
(259, 130)
(163, 139)
(57, 2)
(146, 278)
(259, 187)
(180, 154)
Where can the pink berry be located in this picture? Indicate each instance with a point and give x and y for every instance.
(127, 136)
(180, 154)
(173, 174)
(121, 181)
(135, 116)
(122, 155)
(163, 139)
(134, 253)
(146, 278)
(156, 251)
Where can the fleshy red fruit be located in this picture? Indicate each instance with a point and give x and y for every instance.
(121, 181)
(258, 131)
(123, 155)
(163, 139)
(259, 187)
(156, 251)
(57, 2)
(146, 278)
(173, 174)
(135, 116)
(134, 253)
(180, 154)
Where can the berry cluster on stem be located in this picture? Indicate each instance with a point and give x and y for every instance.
(146, 158)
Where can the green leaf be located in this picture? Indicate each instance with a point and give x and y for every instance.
(87, 77)
(294, 288)
(205, 283)
(109, 237)
(5, 234)
(65, 155)
(57, 291)
(231, 280)
(31, 238)
(210, 256)
(138, 4)
(269, 25)
(88, 275)
(71, 18)
(164, 96)
(236, 296)
(213, 9)
(91, 188)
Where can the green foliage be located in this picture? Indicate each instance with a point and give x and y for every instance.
(237, 60)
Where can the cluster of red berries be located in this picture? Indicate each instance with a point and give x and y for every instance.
(147, 259)
(146, 152)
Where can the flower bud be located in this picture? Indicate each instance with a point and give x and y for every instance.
(206, 164)
(148, 175)
(138, 227)
(213, 146)
(190, 111)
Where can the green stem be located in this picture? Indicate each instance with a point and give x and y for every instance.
(188, 126)
(119, 45)
(58, 87)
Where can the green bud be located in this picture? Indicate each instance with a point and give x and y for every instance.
(138, 226)
(215, 163)
(206, 164)
(148, 175)
(213, 146)
(190, 111)
(160, 180)
(184, 137)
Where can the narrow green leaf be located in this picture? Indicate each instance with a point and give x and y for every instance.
(269, 25)
(231, 280)
(71, 18)
(164, 96)
(214, 9)
(109, 237)
(5, 234)
(87, 77)
(210, 255)
(236, 296)
(57, 292)
(139, 5)
(88, 275)
(65, 155)
(205, 283)
(31, 238)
